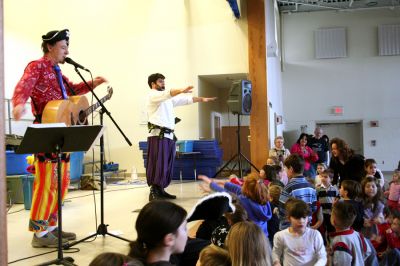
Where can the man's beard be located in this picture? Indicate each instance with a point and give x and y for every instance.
(159, 88)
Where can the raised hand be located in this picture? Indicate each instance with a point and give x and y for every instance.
(205, 178)
(99, 80)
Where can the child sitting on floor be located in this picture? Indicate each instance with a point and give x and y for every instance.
(253, 196)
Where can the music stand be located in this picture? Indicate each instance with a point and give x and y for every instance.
(53, 138)
(239, 155)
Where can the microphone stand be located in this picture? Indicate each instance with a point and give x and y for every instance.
(102, 228)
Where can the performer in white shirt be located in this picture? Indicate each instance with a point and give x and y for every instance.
(161, 138)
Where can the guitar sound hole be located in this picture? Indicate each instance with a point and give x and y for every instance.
(82, 118)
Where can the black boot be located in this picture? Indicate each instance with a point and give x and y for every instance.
(155, 193)
(166, 195)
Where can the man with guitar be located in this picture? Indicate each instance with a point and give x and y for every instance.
(43, 82)
(161, 139)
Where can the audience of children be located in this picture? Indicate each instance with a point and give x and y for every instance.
(268, 209)
(298, 244)
(247, 245)
(372, 203)
(253, 196)
(297, 187)
(349, 247)
(213, 255)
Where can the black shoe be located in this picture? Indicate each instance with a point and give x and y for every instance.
(166, 195)
(155, 193)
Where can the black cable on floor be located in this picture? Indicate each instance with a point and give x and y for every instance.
(75, 250)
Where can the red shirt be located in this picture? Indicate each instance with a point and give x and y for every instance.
(392, 239)
(381, 246)
(39, 82)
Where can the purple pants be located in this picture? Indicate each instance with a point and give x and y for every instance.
(160, 161)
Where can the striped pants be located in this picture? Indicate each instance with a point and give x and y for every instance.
(44, 197)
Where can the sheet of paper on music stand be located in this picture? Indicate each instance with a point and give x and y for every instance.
(47, 125)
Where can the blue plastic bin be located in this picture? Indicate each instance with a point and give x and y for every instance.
(184, 145)
(16, 163)
(27, 184)
(76, 165)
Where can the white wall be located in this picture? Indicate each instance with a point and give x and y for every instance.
(365, 84)
(125, 41)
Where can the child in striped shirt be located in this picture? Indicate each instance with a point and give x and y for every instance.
(326, 195)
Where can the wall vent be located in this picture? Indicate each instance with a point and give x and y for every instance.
(330, 43)
(389, 39)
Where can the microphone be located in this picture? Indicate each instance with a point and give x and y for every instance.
(75, 64)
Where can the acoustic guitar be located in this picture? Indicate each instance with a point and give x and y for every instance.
(73, 111)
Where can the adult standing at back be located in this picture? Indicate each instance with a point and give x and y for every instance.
(346, 165)
(319, 144)
(305, 152)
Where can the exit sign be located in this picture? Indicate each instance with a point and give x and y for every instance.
(337, 110)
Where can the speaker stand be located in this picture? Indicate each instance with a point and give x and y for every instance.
(239, 155)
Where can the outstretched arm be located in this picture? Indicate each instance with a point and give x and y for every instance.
(175, 92)
(203, 99)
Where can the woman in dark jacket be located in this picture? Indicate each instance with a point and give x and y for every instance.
(345, 164)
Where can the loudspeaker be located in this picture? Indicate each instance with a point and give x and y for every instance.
(239, 100)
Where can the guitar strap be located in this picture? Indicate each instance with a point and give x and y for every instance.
(38, 117)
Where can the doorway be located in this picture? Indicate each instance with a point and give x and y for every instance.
(216, 127)
(350, 132)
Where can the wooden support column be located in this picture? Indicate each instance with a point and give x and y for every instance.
(259, 145)
(3, 208)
